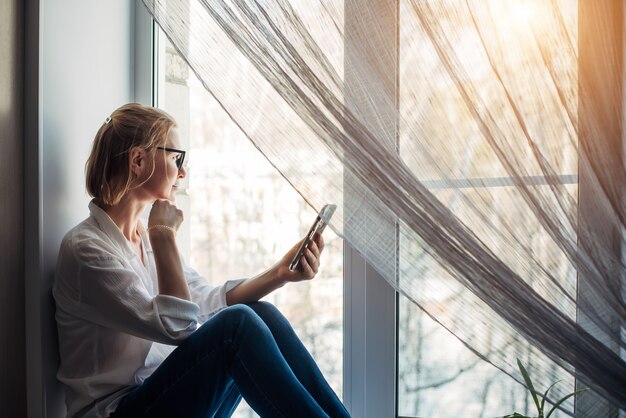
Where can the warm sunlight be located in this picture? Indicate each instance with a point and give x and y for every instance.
(518, 18)
(521, 13)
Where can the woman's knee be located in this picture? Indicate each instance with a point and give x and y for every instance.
(230, 320)
(271, 316)
(238, 313)
(265, 309)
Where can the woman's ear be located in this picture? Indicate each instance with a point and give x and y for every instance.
(137, 160)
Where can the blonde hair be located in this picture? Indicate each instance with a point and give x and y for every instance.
(108, 168)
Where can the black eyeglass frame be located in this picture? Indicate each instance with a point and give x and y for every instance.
(179, 161)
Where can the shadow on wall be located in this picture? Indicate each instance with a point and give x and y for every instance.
(59, 214)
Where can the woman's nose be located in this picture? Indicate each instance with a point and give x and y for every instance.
(182, 172)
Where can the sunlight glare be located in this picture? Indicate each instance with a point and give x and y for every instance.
(522, 13)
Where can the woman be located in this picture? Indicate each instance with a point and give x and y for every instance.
(124, 300)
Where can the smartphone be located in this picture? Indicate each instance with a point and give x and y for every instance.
(318, 226)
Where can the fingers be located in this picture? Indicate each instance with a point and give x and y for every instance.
(311, 259)
(164, 212)
(316, 245)
(319, 241)
(309, 265)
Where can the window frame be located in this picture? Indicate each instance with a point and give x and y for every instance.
(370, 303)
(599, 25)
(144, 44)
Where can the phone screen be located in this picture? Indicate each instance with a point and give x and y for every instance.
(322, 219)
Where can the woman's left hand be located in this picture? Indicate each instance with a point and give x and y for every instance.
(279, 274)
(309, 263)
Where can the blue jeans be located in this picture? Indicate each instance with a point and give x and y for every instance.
(248, 350)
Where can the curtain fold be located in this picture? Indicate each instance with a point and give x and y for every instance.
(492, 152)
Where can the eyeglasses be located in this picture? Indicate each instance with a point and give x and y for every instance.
(180, 158)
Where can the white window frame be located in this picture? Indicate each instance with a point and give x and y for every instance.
(370, 303)
(145, 43)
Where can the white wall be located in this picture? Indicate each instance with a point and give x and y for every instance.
(84, 70)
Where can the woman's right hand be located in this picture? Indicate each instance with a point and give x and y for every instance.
(170, 273)
(164, 212)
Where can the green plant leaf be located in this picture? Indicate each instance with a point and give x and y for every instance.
(545, 395)
(516, 415)
(556, 405)
(530, 386)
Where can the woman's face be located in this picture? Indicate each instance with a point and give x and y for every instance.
(164, 180)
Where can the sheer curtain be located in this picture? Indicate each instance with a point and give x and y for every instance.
(494, 152)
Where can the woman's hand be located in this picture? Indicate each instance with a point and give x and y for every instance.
(309, 263)
(164, 212)
(279, 274)
(171, 277)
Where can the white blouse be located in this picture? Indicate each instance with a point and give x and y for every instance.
(114, 328)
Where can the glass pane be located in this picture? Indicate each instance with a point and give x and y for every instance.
(241, 216)
(435, 368)
(438, 376)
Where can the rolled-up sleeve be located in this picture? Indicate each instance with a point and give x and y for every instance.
(101, 287)
(210, 299)
(178, 316)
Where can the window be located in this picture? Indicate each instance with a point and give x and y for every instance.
(233, 194)
(438, 377)
(242, 216)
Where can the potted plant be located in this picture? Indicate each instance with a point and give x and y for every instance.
(540, 404)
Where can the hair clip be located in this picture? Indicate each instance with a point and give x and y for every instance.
(107, 120)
